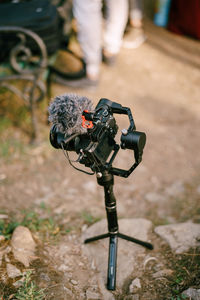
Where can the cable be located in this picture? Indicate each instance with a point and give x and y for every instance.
(67, 156)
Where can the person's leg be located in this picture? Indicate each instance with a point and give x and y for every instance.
(116, 19)
(89, 20)
(134, 36)
(136, 13)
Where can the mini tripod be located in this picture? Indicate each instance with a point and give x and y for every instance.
(94, 141)
(106, 180)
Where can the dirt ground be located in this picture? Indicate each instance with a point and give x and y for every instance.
(160, 82)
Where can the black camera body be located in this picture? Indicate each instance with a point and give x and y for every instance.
(97, 148)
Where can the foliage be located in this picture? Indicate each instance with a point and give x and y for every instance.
(7, 228)
(187, 273)
(88, 218)
(29, 290)
(33, 221)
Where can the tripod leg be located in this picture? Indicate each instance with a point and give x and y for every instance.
(139, 242)
(112, 263)
(96, 238)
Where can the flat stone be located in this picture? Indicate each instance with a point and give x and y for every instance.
(23, 245)
(180, 237)
(12, 271)
(192, 294)
(128, 252)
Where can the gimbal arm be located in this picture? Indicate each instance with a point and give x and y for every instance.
(130, 139)
(117, 108)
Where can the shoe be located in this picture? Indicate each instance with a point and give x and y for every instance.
(134, 39)
(109, 60)
(81, 83)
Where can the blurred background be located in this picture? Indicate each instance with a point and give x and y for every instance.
(160, 81)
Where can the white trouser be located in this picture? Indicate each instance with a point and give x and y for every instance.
(88, 14)
(135, 9)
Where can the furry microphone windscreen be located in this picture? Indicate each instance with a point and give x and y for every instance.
(65, 112)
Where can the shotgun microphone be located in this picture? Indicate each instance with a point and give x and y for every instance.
(65, 113)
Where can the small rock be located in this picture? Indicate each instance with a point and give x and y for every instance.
(135, 285)
(163, 273)
(90, 295)
(23, 245)
(12, 271)
(192, 294)
(74, 282)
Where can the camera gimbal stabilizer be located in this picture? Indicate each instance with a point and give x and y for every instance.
(94, 149)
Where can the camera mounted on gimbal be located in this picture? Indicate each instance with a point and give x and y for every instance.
(97, 149)
(96, 146)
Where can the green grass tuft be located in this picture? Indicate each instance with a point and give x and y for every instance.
(29, 290)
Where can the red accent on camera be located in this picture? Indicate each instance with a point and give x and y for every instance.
(86, 123)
